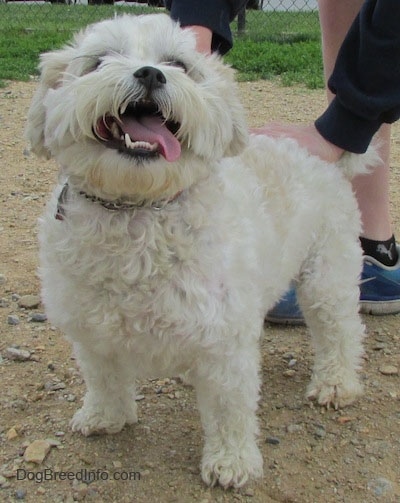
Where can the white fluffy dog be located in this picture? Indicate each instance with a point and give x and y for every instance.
(173, 233)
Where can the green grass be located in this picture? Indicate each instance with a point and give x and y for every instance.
(274, 44)
(28, 30)
(279, 44)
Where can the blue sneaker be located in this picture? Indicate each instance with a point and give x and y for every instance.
(379, 294)
(380, 287)
(286, 311)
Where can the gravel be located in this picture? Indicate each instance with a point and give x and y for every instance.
(310, 455)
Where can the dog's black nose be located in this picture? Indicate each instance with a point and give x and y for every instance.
(150, 77)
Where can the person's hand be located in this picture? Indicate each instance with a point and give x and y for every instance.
(203, 38)
(306, 136)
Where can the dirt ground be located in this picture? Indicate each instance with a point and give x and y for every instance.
(311, 455)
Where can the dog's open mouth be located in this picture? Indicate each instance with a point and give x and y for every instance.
(140, 131)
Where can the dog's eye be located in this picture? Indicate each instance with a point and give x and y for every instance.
(178, 64)
(96, 62)
(90, 65)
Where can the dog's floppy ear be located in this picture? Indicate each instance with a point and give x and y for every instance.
(52, 66)
(235, 121)
(240, 135)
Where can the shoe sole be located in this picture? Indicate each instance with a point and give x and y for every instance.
(366, 307)
(380, 308)
(293, 322)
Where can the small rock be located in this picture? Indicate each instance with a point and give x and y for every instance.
(38, 317)
(53, 442)
(9, 474)
(294, 428)
(12, 319)
(388, 370)
(319, 431)
(3, 480)
(289, 373)
(20, 355)
(345, 419)
(379, 346)
(19, 404)
(80, 492)
(37, 451)
(11, 434)
(3, 303)
(29, 301)
(51, 386)
(20, 494)
(194, 470)
(2, 279)
(272, 440)
(288, 356)
(380, 486)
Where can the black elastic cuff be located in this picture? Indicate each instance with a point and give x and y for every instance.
(346, 130)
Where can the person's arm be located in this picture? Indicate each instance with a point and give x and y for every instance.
(366, 82)
(365, 79)
(208, 18)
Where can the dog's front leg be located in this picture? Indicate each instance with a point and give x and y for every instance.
(109, 402)
(227, 393)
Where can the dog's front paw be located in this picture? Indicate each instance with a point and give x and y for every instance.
(231, 469)
(91, 420)
(325, 393)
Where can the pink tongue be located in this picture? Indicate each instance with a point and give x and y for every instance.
(152, 129)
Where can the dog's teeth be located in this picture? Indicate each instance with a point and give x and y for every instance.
(145, 145)
(123, 108)
(128, 141)
(138, 144)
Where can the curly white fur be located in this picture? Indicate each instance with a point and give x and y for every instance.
(184, 289)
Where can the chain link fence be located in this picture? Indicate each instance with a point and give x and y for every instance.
(263, 5)
(280, 16)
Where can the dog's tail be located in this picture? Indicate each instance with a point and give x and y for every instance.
(360, 164)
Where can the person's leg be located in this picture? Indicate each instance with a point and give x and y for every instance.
(380, 280)
(372, 191)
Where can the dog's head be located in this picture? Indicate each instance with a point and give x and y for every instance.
(130, 109)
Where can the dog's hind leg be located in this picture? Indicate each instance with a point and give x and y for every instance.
(328, 294)
(109, 402)
(227, 393)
